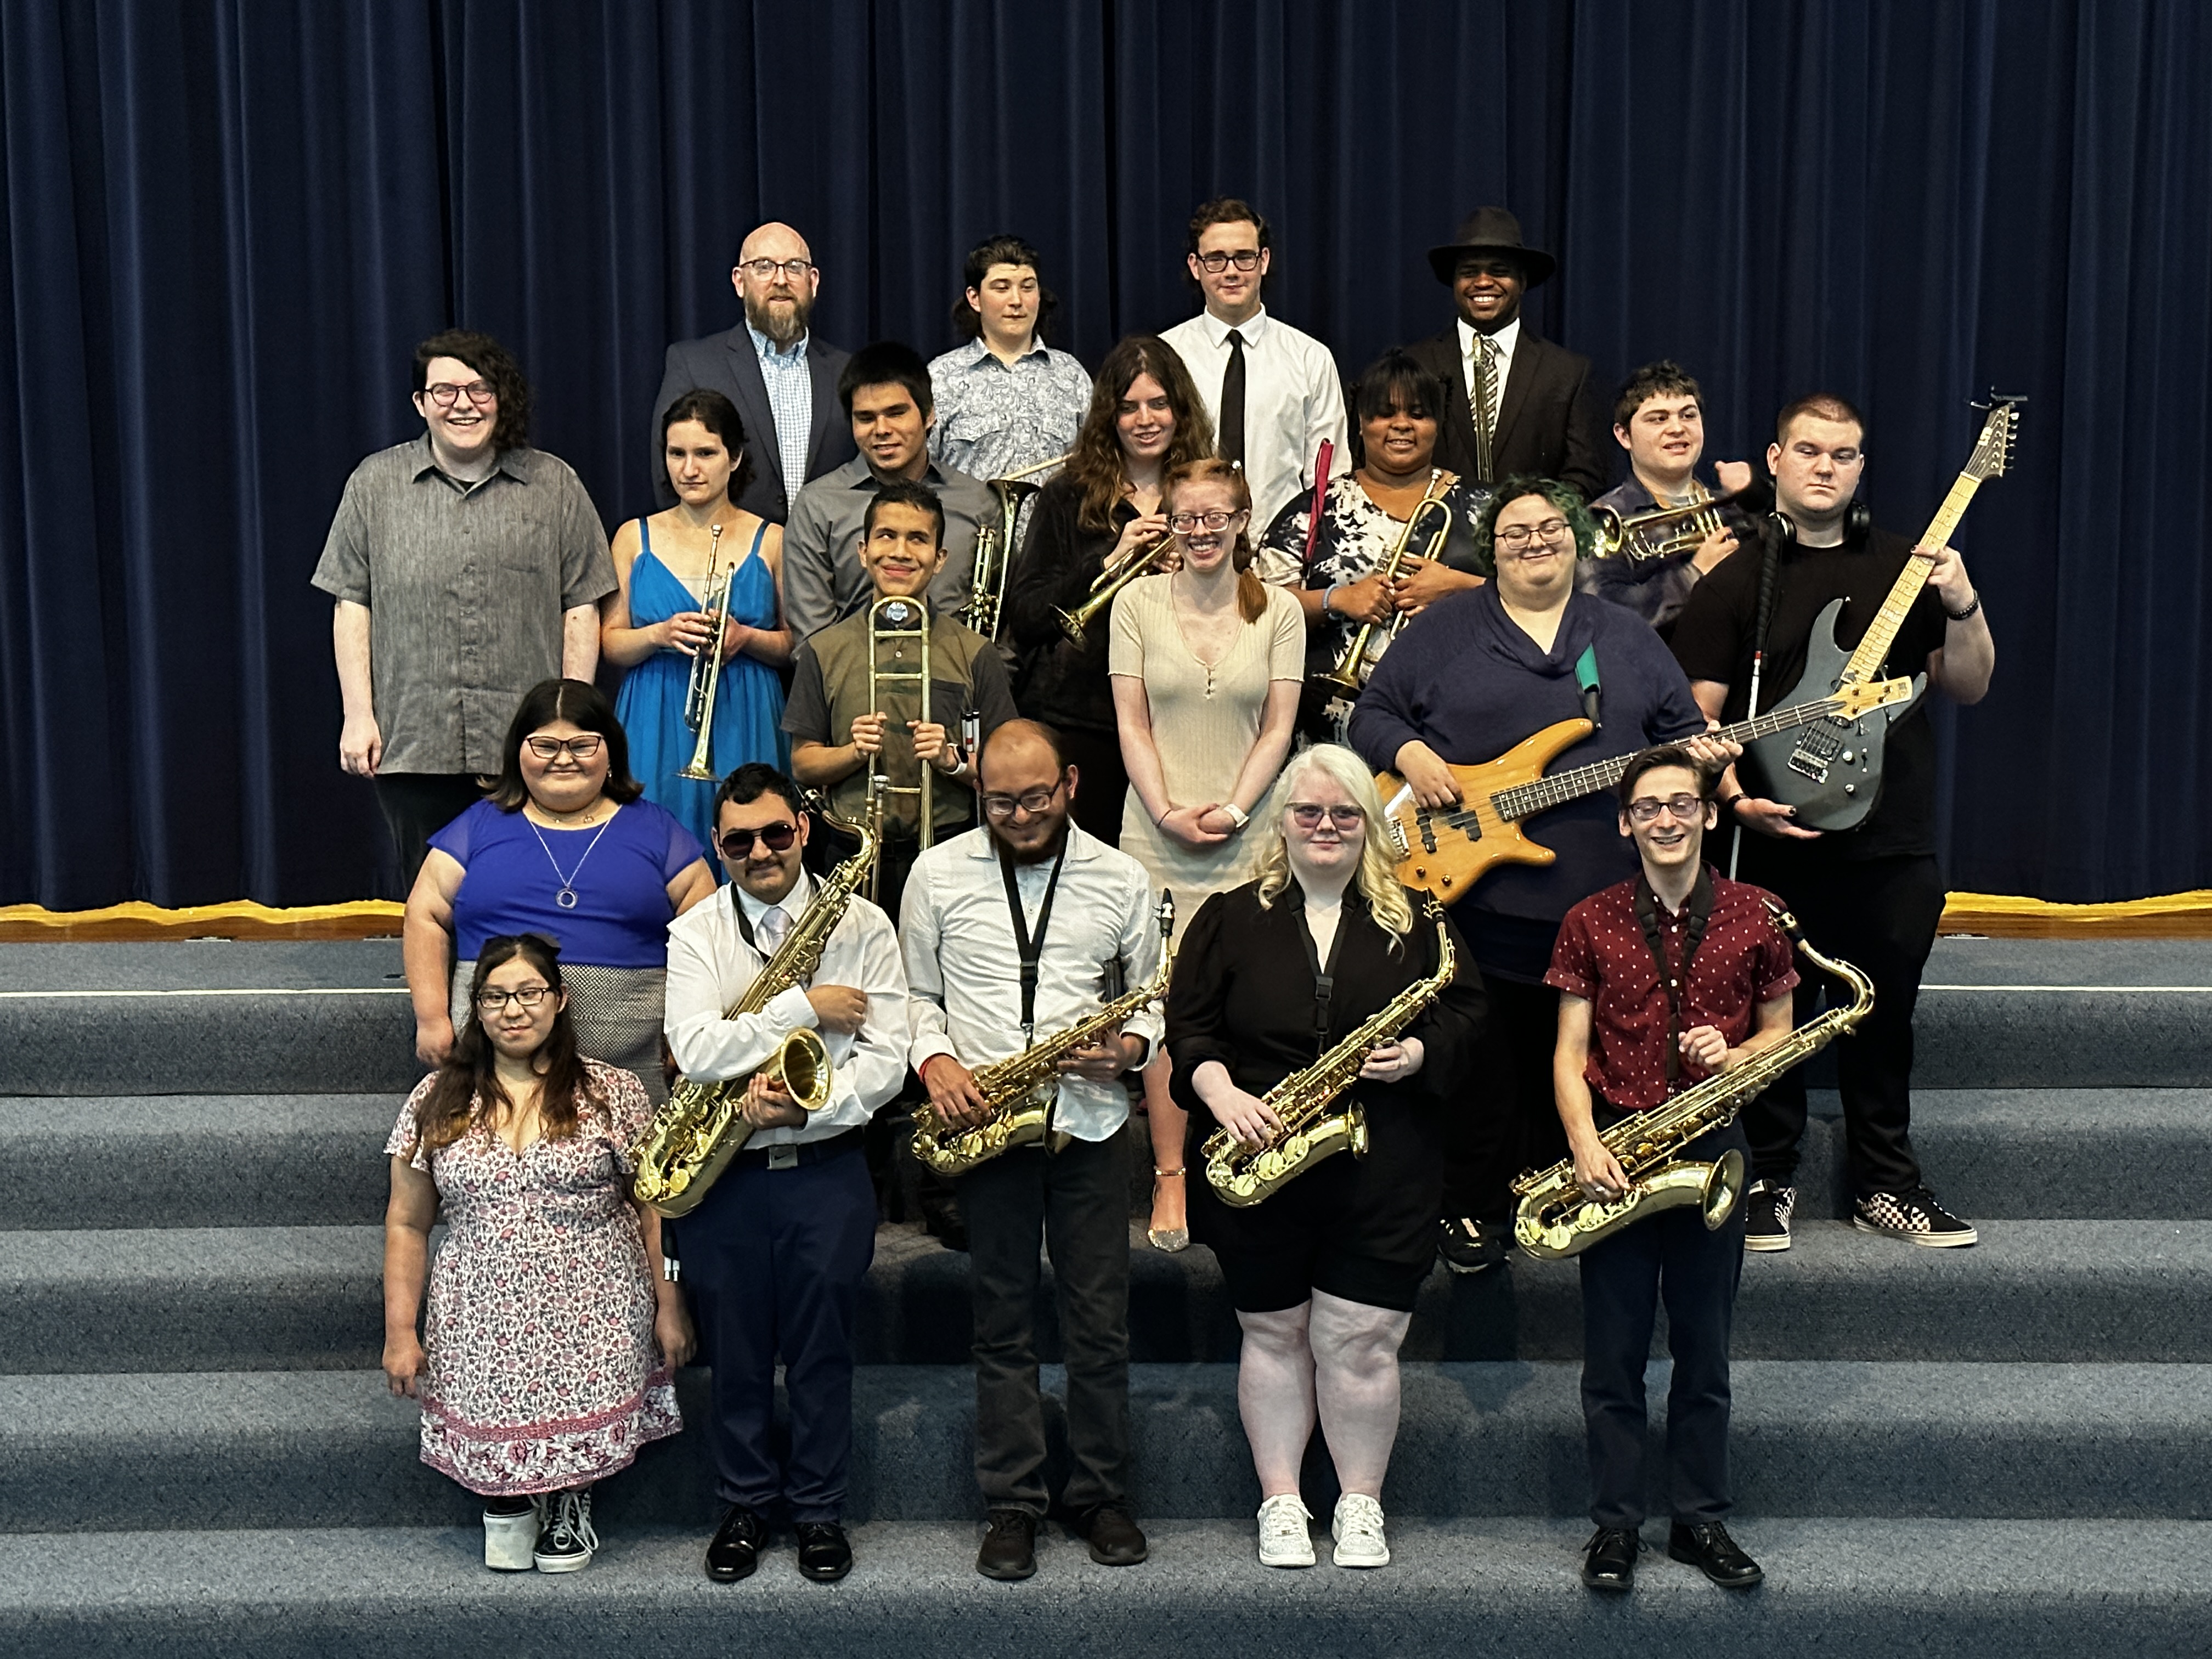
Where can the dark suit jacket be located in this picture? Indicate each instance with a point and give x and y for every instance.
(1547, 424)
(726, 363)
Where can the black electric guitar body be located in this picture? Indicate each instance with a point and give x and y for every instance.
(1830, 770)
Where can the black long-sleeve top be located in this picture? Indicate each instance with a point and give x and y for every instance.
(1244, 994)
(1059, 681)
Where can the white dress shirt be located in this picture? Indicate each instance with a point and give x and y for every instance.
(1293, 400)
(963, 963)
(710, 965)
(1501, 353)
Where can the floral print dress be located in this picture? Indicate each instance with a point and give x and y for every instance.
(542, 1373)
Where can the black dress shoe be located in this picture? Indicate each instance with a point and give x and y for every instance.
(1610, 1561)
(1113, 1536)
(823, 1554)
(1009, 1549)
(1706, 1545)
(1470, 1246)
(736, 1548)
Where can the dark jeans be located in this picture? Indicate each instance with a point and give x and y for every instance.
(774, 1261)
(1077, 1201)
(1881, 916)
(418, 805)
(1514, 1123)
(1669, 1255)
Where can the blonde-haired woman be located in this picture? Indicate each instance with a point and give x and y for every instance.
(1206, 666)
(1324, 1272)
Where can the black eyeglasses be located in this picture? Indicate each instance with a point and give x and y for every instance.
(1649, 807)
(776, 837)
(583, 749)
(1031, 801)
(762, 271)
(443, 394)
(1244, 258)
(493, 1002)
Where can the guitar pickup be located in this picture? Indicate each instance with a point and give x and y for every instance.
(1428, 830)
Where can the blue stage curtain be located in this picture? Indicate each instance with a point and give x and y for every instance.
(228, 222)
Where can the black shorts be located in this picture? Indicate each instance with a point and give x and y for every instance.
(1270, 1281)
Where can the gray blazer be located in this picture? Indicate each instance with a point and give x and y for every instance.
(726, 363)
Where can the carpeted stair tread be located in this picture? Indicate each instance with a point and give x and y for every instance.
(1972, 1589)
(334, 1448)
(308, 1297)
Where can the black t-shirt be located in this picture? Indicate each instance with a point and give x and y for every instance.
(1712, 641)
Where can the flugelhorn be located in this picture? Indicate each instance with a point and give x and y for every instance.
(896, 618)
(995, 548)
(1115, 576)
(706, 669)
(1684, 527)
(1349, 676)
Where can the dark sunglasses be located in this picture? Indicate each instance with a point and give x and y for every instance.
(776, 837)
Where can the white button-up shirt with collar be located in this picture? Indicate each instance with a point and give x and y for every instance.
(964, 964)
(1501, 351)
(709, 966)
(1294, 401)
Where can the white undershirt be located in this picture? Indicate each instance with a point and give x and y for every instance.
(1323, 912)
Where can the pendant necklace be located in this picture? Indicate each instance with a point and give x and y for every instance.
(566, 896)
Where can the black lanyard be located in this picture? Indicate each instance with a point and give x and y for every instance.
(1647, 917)
(1324, 978)
(1031, 946)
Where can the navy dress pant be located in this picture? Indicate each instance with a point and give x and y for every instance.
(1669, 1257)
(774, 1261)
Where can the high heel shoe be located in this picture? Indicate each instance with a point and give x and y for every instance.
(1169, 1239)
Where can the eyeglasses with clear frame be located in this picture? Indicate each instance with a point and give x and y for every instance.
(764, 270)
(1183, 523)
(493, 1002)
(1307, 815)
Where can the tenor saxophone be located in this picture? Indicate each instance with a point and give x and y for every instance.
(1557, 1218)
(1245, 1175)
(693, 1137)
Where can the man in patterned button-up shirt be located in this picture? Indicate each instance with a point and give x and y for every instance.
(1006, 400)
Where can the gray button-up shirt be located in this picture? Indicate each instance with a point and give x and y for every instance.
(466, 585)
(824, 581)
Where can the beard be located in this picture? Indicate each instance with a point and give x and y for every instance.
(786, 327)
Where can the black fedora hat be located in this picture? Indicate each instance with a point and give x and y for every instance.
(1490, 230)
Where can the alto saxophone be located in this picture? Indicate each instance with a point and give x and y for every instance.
(1557, 1218)
(1023, 1088)
(692, 1138)
(1245, 1175)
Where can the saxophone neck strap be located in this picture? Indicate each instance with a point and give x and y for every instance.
(1324, 976)
(1647, 917)
(1030, 945)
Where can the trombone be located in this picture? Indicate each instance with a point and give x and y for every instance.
(706, 669)
(995, 548)
(1115, 576)
(1350, 674)
(1682, 528)
(896, 619)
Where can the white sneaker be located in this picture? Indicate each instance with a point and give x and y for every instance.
(511, 1540)
(1283, 1539)
(567, 1543)
(1357, 1529)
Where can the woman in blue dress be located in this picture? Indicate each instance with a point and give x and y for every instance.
(656, 621)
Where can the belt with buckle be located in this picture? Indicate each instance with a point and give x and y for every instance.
(792, 1156)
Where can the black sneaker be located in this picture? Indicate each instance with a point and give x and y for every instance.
(1914, 1216)
(1468, 1246)
(1766, 1216)
(567, 1541)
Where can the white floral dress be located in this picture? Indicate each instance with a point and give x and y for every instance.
(542, 1373)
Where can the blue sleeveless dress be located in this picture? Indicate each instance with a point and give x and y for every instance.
(748, 699)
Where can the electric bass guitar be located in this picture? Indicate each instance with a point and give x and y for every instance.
(1830, 769)
(1445, 850)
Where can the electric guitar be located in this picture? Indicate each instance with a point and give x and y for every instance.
(1831, 769)
(1445, 850)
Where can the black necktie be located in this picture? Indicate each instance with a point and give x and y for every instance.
(1232, 402)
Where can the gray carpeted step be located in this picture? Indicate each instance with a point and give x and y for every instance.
(194, 1160)
(2093, 1154)
(1987, 1589)
(260, 1450)
(308, 1297)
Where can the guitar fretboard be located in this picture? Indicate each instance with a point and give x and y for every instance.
(1873, 650)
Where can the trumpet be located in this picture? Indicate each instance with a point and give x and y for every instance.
(1350, 674)
(995, 548)
(1680, 529)
(1115, 576)
(896, 619)
(707, 668)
